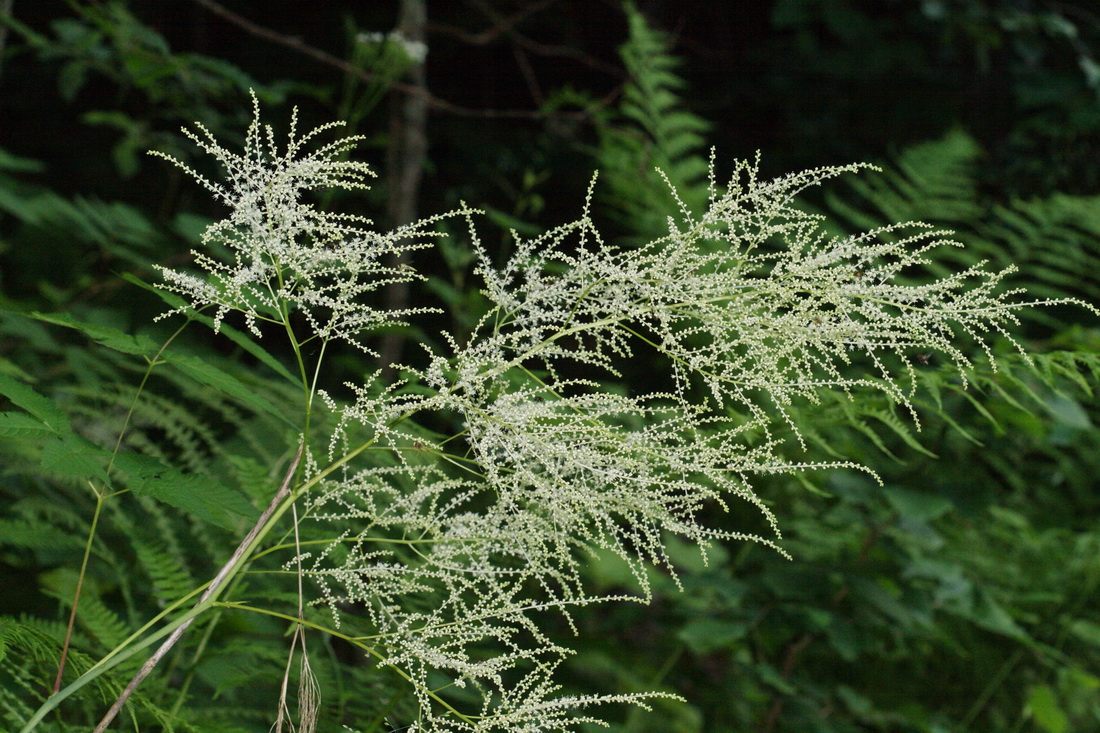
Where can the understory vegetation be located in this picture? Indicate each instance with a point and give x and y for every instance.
(652, 441)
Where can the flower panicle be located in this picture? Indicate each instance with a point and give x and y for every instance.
(452, 545)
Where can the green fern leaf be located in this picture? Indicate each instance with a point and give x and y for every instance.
(112, 338)
(31, 534)
(651, 131)
(22, 425)
(169, 577)
(206, 373)
(201, 496)
(41, 407)
(72, 455)
(901, 429)
(103, 624)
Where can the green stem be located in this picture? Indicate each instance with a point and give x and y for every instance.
(101, 495)
(247, 550)
(106, 664)
(99, 498)
(353, 640)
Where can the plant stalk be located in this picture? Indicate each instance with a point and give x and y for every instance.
(246, 543)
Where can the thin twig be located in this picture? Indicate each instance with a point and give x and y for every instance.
(501, 25)
(100, 493)
(324, 57)
(284, 491)
(506, 26)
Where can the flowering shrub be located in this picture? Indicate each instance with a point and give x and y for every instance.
(452, 548)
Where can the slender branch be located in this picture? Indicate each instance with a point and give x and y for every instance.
(100, 495)
(242, 548)
(501, 25)
(411, 89)
(506, 26)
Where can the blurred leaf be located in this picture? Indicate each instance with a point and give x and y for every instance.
(771, 677)
(1044, 708)
(705, 636)
(206, 373)
(41, 407)
(1086, 631)
(1068, 412)
(110, 337)
(917, 505)
(845, 640)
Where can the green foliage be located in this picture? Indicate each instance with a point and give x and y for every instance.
(1022, 77)
(652, 145)
(983, 557)
(107, 41)
(476, 534)
(1052, 239)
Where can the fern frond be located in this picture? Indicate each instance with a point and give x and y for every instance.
(1054, 243)
(933, 181)
(169, 577)
(33, 645)
(106, 628)
(652, 132)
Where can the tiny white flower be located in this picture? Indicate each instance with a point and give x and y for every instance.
(415, 51)
(286, 254)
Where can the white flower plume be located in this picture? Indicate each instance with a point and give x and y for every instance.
(285, 253)
(453, 548)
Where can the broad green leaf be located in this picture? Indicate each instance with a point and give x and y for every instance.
(990, 615)
(1086, 631)
(845, 640)
(41, 407)
(705, 635)
(110, 337)
(859, 705)
(1083, 680)
(201, 496)
(72, 455)
(1044, 707)
(20, 424)
(917, 505)
(1068, 412)
(770, 676)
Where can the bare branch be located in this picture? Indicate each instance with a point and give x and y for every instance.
(328, 59)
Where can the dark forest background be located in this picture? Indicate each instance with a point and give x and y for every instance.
(961, 597)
